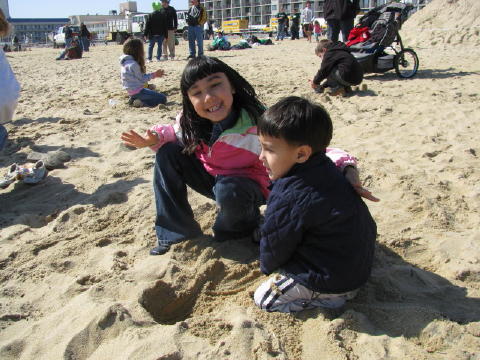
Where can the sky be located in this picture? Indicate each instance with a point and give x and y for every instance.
(65, 8)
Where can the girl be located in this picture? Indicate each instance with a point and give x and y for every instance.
(10, 86)
(134, 77)
(317, 30)
(214, 149)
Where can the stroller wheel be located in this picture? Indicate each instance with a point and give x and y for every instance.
(406, 63)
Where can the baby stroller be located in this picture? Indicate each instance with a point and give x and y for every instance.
(384, 50)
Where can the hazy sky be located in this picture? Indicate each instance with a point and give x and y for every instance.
(65, 8)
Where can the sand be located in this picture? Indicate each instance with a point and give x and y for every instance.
(76, 278)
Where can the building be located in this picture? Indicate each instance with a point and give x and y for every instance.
(35, 30)
(259, 12)
(96, 24)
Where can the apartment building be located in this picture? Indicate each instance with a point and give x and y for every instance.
(259, 12)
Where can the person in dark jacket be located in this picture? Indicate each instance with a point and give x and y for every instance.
(318, 236)
(84, 37)
(340, 15)
(156, 30)
(339, 67)
(196, 18)
(172, 24)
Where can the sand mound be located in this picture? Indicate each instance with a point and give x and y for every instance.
(442, 22)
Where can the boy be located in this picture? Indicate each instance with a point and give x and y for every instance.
(339, 67)
(318, 236)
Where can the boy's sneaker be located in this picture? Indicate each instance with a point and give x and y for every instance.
(138, 103)
(35, 174)
(159, 250)
(10, 177)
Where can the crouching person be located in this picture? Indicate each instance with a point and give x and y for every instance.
(318, 238)
(339, 67)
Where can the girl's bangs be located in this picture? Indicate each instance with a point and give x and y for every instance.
(198, 70)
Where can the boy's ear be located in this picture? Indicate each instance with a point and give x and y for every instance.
(303, 153)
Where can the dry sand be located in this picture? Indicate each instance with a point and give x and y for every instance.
(76, 278)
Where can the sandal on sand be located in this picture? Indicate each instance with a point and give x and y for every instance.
(35, 174)
(12, 175)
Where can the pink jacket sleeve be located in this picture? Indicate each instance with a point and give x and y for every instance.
(340, 158)
(165, 133)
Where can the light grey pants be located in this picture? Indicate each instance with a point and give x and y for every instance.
(169, 43)
(284, 294)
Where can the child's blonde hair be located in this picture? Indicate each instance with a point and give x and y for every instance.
(4, 25)
(322, 44)
(134, 48)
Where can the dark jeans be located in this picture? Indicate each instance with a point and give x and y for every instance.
(158, 39)
(334, 27)
(335, 80)
(150, 98)
(295, 32)
(238, 198)
(3, 136)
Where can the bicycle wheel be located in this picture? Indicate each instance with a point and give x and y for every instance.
(406, 63)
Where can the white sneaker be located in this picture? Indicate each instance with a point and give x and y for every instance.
(149, 61)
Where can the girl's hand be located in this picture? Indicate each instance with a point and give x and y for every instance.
(132, 138)
(351, 174)
(159, 73)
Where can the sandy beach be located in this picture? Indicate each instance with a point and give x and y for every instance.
(77, 281)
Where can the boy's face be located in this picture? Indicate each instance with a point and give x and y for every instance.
(278, 156)
(321, 53)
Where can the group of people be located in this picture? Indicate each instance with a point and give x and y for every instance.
(317, 237)
(339, 15)
(162, 23)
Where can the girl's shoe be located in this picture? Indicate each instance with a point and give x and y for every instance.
(12, 175)
(35, 174)
(138, 103)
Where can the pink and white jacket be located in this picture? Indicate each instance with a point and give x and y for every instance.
(236, 152)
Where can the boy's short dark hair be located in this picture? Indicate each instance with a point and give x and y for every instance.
(298, 122)
(322, 44)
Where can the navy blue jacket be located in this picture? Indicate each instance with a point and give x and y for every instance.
(317, 229)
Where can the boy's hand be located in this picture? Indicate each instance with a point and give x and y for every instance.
(159, 73)
(132, 138)
(351, 174)
(314, 86)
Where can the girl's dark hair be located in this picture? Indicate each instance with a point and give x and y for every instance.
(298, 122)
(134, 48)
(195, 128)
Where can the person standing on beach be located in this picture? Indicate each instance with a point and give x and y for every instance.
(84, 37)
(196, 17)
(307, 18)
(281, 24)
(172, 24)
(156, 31)
(295, 28)
(340, 15)
(67, 30)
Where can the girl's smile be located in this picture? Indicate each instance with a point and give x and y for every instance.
(212, 97)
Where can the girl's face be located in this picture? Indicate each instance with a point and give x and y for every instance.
(212, 97)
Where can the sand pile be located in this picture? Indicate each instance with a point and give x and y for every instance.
(76, 278)
(444, 22)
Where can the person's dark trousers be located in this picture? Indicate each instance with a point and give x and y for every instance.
(295, 33)
(238, 198)
(334, 26)
(335, 80)
(158, 39)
